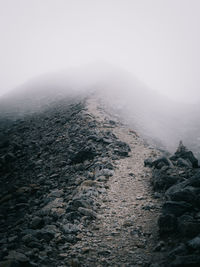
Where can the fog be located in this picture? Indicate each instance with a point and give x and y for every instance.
(162, 122)
(157, 41)
(140, 57)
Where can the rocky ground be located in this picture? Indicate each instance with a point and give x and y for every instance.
(177, 178)
(75, 192)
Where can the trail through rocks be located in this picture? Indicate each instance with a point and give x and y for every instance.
(125, 233)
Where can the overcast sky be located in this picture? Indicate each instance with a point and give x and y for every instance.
(156, 40)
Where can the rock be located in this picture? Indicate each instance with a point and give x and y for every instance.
(10, 263)
(56, 193)
(187, 194)
(128, 222)
(88, 212)
(86, 153)
(183, 153)
(188, 227)
(148, 162)
(78, 202)
(159, 246)
(45, 234)
(17, 256)
(181, 249)
(36, 223)
(29, 238)
(52, 206)
(184, 163)
(186, 261)
(70, 228)
(167, 223)
(160, 162)
(104, 172)
(12, 238)
(176, 208)
(194, 180)
(194, 243)
(122, 149)
(162, 181)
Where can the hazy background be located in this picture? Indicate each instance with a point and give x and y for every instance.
(156, 40)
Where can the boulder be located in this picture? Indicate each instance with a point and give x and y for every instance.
(162, 181)
(187, 194)
(194, 243)
(188, 227)
(160, 162)
(176, 208)
(184, 153)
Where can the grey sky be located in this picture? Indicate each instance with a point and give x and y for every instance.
(157, 40)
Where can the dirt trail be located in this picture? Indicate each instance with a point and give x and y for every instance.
(126, 232)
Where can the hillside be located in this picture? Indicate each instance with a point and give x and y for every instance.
(74, 189)
(87, 181)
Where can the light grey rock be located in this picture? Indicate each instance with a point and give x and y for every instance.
(87, 212)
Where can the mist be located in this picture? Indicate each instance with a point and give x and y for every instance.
(141, 58)
(157, 41)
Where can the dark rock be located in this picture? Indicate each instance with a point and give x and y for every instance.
(148, 162)
(11, 263)
(160, 162)
(183, 153)
(36, 223)
(188, 227)
(162, 181)
(17, 256)
(195, 180)
(122, 149)
(167, 224)
(184, 163)
(45, 234)
(176, 208)
(87, 153)
(187, 194)
(194, 243)
(186, 261)
(181, 250)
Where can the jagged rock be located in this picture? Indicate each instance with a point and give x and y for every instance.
(87, 153)
(184, 163)
(161, 162)
(162, 181)
(194, 243)
(187, 194)
(87, 212)
(70, 228)
(176, 208)
(182, 152)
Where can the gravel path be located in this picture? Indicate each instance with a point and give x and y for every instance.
(125, 234)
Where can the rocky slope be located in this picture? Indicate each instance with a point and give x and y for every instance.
(75, 191)
(177, 179)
